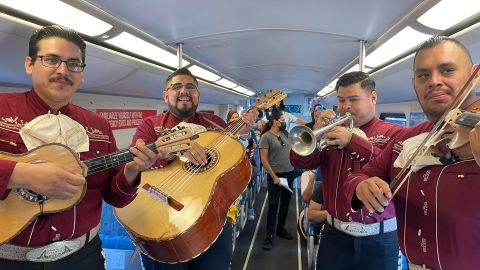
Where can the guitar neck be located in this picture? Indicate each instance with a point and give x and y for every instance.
(109, 161)
(236, 127)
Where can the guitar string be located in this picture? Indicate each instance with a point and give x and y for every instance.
(178, 185)
(184, 178)
(123, 156)
(181, 180)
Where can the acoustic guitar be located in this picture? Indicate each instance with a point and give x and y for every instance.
(22, 206)
(205, 193)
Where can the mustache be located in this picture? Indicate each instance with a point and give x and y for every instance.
(183, 96)
(433, 92)
(61, 78)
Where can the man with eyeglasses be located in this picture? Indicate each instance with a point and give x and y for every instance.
(349, 238)
(182, 97)
(66, 239)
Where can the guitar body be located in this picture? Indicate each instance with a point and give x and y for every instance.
(19, 209)
(170, 235)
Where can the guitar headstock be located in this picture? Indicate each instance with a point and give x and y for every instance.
(178, 140)
(269, 99)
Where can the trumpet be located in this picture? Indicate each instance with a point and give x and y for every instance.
(303, 140)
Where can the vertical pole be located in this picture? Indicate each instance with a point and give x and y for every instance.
(361, 56)
(180, 54)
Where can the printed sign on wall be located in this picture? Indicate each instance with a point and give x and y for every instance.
(124, 119)
(293, 108)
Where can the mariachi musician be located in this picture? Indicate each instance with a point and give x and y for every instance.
(346, 152)
(437, 210)
(67, 239)
(182, 96)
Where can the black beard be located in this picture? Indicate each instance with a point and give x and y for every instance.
(183, 113)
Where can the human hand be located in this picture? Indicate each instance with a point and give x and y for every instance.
(374, 193)
(322, 118)
(196, 154)
(46, 179)
(338, 136)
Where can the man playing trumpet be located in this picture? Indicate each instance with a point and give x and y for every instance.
(350, 238)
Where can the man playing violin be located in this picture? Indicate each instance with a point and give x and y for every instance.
(67, 239)
(437, 210)
(182, 96)
(349, 238)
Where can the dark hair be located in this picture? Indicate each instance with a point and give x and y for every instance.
(178, 72)
(281, 106)
(274, 115)
(436, 40)
(347, 79)
(230, 114)
(58, 32)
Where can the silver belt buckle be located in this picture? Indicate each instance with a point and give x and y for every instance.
(356, 229)
(54, 251)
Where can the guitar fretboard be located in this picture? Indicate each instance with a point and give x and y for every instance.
(109, 161)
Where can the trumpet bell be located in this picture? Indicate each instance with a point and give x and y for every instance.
(302, 140)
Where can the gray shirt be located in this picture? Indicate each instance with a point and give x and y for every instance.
(278, 151)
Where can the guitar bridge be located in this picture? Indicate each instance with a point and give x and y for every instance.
(154, 191)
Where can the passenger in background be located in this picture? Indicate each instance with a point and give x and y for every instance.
(274, 151)
(350, 238)
(67, 239)
(437, 207)
(249, 141)
(183, 96)
(316, 210)
(307, 184)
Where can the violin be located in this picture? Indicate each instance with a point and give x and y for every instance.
(448, 135)
(455, 138)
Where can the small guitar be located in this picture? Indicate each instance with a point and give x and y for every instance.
(22, 206)
(204, 194)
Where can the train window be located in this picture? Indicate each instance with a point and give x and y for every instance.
(396, 118)
(417, 117)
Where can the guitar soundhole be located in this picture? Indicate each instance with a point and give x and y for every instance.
(212, 160)
(31, 196)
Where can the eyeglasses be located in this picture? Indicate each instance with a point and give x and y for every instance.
(178, 86)
(52, 61)
(282, 143)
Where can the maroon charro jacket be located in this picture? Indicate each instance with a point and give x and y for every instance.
(337, 164)
(437, 208)
(17, 110)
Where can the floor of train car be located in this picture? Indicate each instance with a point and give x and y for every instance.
(286, 254)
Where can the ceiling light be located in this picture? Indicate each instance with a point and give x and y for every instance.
(325, 91)
(60, 13)
(203, 73)
(241, 89)
(333, 83)
(250, 93)
(401, 42)
(447, 13)
(226, 83)
(139, 46)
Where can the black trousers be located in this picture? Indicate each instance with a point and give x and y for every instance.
(89, 257)
(278, 201)
(217, 257)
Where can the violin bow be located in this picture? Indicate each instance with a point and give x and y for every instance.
(439, 125)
